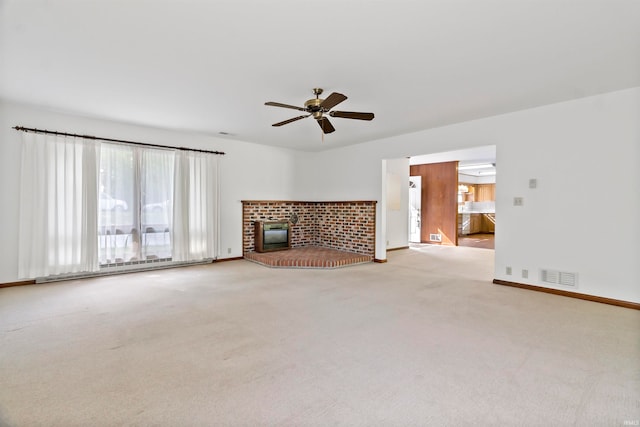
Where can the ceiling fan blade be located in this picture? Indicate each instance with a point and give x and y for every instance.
(332, 100)
(325, 125)
(290, 120)
(278, 104)
(352, 115)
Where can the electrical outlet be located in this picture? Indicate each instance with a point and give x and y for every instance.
(525, 274)
(508, 271)
(518, 201)
(533, 183)
(228, 250)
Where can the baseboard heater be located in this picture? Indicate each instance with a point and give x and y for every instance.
(122, 269)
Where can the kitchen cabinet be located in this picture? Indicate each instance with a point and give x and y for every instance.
(485, 192)
(475, 223)
(464, 222)
(472, 223)
(488, 223)
(479, 193)
(469, 223)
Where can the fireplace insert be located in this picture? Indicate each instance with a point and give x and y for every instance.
(272, 236)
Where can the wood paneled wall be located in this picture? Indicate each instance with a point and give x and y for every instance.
(439, 211)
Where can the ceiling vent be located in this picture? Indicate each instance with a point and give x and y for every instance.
(556, 277)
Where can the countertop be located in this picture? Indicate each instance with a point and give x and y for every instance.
(476, 212)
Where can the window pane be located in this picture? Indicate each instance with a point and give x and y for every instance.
(135, 204)
(116, 205)
(156, 186)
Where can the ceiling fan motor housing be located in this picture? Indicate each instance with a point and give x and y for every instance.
(313, 106)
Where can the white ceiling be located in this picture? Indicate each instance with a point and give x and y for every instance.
(209, 66)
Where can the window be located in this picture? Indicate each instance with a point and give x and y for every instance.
(87, 205)
(135, 204)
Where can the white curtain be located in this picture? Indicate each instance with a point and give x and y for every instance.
(195, 206)
(58, 206)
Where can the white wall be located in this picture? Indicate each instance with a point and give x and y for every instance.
(243, 173)
(350, 173)
(582, 218)
(398, 219)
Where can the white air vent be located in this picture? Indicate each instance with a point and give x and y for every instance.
(568, 279)
(549, 276)
(559, 277)
(435, 237)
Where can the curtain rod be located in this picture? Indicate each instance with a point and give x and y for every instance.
(50, 132)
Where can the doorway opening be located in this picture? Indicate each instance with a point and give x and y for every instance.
(466, 202)
(477, 203)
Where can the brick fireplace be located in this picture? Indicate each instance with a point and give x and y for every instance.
(346, 226)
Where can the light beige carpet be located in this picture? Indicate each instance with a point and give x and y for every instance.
(425, 339)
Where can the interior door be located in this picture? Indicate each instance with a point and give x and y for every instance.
(415, 208)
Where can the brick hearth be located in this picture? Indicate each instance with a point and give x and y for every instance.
(308, 257)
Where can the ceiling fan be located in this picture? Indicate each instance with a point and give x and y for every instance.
(318, 107)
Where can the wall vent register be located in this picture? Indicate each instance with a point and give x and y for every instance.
(559, 277)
